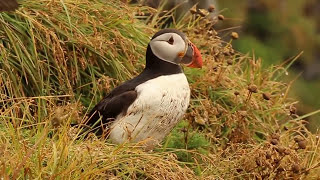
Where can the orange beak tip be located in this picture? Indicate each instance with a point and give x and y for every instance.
(197, 61)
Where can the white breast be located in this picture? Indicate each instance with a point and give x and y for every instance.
(160, 104)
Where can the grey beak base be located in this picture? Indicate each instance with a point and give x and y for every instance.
(187, 58)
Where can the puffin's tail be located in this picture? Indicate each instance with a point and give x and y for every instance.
(90, 125)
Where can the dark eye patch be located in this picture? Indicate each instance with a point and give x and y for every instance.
(171, 40)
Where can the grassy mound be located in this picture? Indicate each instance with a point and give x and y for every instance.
(59, 58)
(60, 47)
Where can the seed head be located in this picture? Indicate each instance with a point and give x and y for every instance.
(200, 121)
(280, 168)
(268, 155)
(258, 162)
(274, 141)
(275, 136)
(253, 88)
(286, 151)
(236, 93)
(211, 8)
(266, 96)
(298, 139)
(220, 17)
(193, 10)
(293, 110)
(295, 168)
(243, 113)
(139, 13)
(302, 144)
(229, 62)
(226, 53)
(55, 122)
(234, 35)
(232, 51)
(280, 149)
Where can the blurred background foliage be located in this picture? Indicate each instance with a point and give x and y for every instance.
(277, 30)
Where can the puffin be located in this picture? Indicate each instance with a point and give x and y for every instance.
(8, 5)
(146, 108)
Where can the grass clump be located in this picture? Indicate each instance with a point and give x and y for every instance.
(59, 47)
(45, 152)
(58, 58)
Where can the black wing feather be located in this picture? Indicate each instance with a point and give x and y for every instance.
(109, 108)
(118, 100)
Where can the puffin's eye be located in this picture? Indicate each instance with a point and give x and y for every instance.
(171, 40)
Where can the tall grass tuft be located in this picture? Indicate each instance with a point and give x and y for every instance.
(69, 47)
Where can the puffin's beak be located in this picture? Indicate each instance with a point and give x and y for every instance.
(196, 57)
(191, 57)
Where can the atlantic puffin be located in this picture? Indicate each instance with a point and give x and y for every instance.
(147, 107)
(8, 5)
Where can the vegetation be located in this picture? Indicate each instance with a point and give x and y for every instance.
(284, 28)
(58, 58)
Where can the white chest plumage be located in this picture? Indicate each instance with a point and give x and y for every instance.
(160, 104)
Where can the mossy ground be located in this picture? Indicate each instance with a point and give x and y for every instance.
(58, 58)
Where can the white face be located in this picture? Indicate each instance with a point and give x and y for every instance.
(169, 47)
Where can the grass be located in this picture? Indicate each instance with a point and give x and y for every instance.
(58, 58)
(56, 54)
(284, 33)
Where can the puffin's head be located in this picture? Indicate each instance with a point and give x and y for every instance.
(174, 47)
